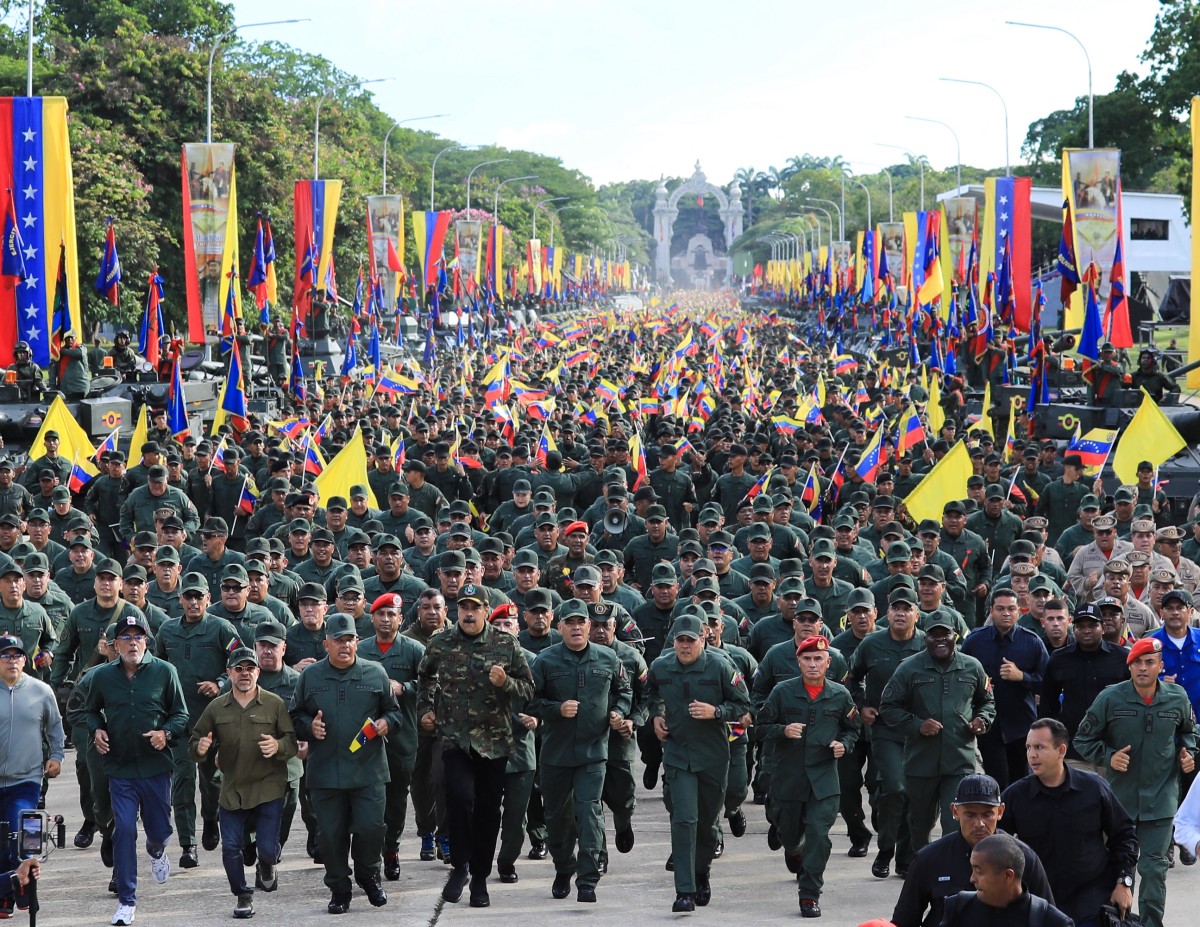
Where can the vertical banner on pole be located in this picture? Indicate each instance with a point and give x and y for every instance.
(1091, 183)
(210, 239)
(1193, 377)
(385, 233)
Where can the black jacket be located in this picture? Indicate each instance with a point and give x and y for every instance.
(1082, 834)
(965, 910)
(942, 869)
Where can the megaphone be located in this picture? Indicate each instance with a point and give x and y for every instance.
(615, 521)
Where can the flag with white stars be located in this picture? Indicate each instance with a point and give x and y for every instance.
(1007, 223)
(35, 170)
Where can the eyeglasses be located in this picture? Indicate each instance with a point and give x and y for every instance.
(191, 595)
(129, 638)
(231, 587)
(12, 656)
(247, 668)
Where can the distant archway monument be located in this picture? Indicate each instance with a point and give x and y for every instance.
(699, 265)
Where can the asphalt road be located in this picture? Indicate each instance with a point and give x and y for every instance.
(750, 885)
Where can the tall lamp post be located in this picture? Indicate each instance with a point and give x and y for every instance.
(317, 121)
(211, 55)
(870, 225)
(471, 173)
(539, 204)
(496, 198)
(841, 222)
(1003, 105)
(957, 146)
(1091, 123)
(395, 126)
(555, 212)
(817, 221)
(433, 168)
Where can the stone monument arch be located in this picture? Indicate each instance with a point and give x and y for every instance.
(666, 211)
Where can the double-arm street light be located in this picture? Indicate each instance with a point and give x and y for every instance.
(433, 167)
(841, 220)
(496, 198)
(395, 126)
(539, 204)
(920, 159)
(211, 55)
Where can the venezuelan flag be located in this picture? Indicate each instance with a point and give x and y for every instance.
(316, 206)
(35, 163)
(429, 235)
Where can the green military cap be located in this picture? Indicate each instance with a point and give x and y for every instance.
(662, 574)
(587, 575)
(271, 632)
(938, 619)
(39, 514)
(108, 565)
(258, 547)
(808, 606)
(340, 625)
(1042, 582)
(902, 594)
(299, 526)
(166, 554)
(525, 558)
(134, 571)
(823, 547)
(22, 550)
(791, 585)
(706, 584)
(452, 561)
(193, 582)
(571, 608)
(358, 491)
(336, 504)
(688, 625)
(758, 532)
(607, 557)
(860, 598)
(242, 655)
(472, 593)
(539, 597)
(312, 591)
(899, 552)
(235, 573)
(35, 562)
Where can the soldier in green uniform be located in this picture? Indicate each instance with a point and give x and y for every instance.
(26, 620)
(650, 548)
(691, 694)
(1143, 734)
(196, 645)
(137, 512)
(969, 553)
(422, 496)
(75, 650)
(813, 723)
(1061, 500)
(400, 658)
(103, 503)
(940, 701)
(580, 694)
(675, 491)
(521, 769)
(235, 605)
(471, 679)
(40, 590)
(619, 784)
(216, 555)
(344, 707)
(50, 460)
(831, 592)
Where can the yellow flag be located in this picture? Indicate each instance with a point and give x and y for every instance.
(1150, 436)
(820, 391)
(73, 441)
(933, 408)
(141, 432)
(985, 417)
(946, 482)
(347, 469)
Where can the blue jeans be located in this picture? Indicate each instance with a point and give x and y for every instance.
(13, 800)
(265, 820)
(152, 797)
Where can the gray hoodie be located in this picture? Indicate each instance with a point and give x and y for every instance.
(29, 720)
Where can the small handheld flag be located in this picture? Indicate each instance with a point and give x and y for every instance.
(365, 735)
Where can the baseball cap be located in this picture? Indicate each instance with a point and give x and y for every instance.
(977, 790)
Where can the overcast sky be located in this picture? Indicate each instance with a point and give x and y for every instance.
(626, 89)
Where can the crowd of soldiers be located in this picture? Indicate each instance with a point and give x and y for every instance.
(502, 634)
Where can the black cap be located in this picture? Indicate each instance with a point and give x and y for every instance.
(977, 790)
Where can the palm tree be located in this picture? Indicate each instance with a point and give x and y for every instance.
(744, 177)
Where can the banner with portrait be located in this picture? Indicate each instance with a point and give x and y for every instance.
(1092, 186)
(891, 235)
(962, 215)
(385, 237)
(470, 248)
(210, 234)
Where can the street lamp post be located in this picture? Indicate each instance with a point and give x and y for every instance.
(211, 55)
(433, 169)
(1004, 106)
(395, 126)
(317, 121)
(957, 146)
(471, 173)
(817, 220)
(496, 198)
(920, 164)
(539, 204)
(870, 225)
(827, 216)
(1087, 57)
(841, 222)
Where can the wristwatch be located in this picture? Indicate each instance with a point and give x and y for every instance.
(1126, 880)
(717, 713)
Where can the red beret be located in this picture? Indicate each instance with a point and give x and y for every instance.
(507, 610)
(817, 644)
(387, 600)
(576, 526)
(1141, 648)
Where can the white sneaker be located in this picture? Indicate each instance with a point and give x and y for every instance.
(160, 867)
(124, 915)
